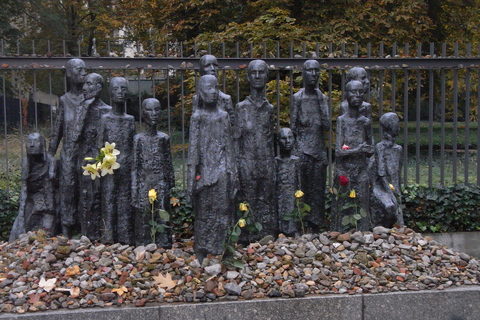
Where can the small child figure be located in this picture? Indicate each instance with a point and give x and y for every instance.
(152, 169)
(386, 180)
(288, 180)
(37, 198)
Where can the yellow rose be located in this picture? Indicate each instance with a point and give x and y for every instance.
(391, 186)
(353, 194)
(242, 223)
(152, 195)
(298, 194)
(242, 206)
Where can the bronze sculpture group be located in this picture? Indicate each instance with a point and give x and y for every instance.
(231, 158)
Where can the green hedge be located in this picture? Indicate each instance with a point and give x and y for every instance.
(8, 211)
(442, 209)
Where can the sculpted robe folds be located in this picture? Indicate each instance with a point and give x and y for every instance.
(90, 194)
(116, 188)
(65, 128)
(152, 169)
(310, 118)
(255, 148)
(212, 178)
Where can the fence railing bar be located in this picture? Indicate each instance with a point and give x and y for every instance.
(139, 98)
(50, 92)
(455, 122)
(467, 122)
(169, 108)
(430, 120)
(394, 80)
(478, 128)
(5, 126)
(182, 72)
(430, 128)
(19, 79)
(442, 126)
(153, 85)
(278, 102)
(35, 98)
(380, 101)
(330, 131)
(405, 128)
(417, 129)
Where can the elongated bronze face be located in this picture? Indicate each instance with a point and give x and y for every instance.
(118, 89)
(208, 89)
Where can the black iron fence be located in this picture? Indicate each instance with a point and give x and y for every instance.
(433, 88)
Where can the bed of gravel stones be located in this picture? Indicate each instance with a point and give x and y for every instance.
(95, 275)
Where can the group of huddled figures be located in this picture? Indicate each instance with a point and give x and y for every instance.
(232, 159)
(63, 195)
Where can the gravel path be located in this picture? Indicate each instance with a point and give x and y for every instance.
(39, 273)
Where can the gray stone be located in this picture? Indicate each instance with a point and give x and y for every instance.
(233, 289)
(380, 230)
(214, 269)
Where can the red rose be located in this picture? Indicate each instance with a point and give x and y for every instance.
(343, 180)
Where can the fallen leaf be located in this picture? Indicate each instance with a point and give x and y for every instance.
(120, 291)
(165, 281)
(34, 297)
(75, 292)
(140, 255)
(47, 285)
(72, 271)
(155, 257)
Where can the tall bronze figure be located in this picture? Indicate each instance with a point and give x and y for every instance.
(209, 65)
(118, 127)
(65, 130)
(152, 169)
(212, 171)
(309, 119)
(353, 146)
(253, 133)
(88, 122)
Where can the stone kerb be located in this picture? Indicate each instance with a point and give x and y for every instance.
(460, 303)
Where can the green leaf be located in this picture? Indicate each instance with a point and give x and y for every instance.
(160, 228)
(233, 238)
(164, 215)
(258, 226)
(346, 220)
(357, 216)
(236, 263)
